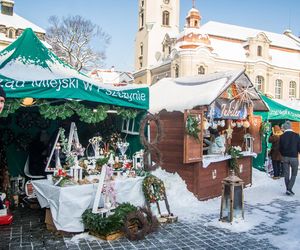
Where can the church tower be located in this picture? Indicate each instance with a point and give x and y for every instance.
(157, 18)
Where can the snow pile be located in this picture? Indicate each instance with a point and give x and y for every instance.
(182, 202)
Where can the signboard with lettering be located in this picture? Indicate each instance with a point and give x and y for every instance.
(228, 109)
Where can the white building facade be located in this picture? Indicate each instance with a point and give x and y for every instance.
(271, 60)
(12, 25)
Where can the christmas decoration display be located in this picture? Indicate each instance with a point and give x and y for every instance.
(192, 126)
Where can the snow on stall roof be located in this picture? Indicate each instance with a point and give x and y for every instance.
(18, 22)
(243, 33)
(178, 94)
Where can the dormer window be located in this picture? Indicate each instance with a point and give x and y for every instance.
(201, 70)
(259, 51)
(166, 18)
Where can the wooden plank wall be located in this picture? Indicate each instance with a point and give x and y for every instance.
(199, 180)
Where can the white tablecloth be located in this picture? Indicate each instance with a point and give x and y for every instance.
(207, 159)
(67, 204)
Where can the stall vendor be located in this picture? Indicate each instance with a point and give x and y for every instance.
(216, 142)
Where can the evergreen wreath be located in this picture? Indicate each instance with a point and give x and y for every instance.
(192, 126)
(153, 189)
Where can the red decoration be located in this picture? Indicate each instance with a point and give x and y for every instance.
(6, 219)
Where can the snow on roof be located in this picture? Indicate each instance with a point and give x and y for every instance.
(18, 22)
(236, 52)
(178, 94)
(243, 33)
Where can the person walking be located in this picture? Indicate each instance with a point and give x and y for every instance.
(289, 147)
(274, 153)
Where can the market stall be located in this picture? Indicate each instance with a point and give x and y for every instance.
(195, 111)
(44, 93)
(277, 115)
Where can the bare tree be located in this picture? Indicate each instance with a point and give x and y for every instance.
(72, 38)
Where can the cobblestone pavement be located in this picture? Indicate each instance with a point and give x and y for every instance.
(28, 231)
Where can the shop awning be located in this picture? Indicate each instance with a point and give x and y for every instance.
(29, 69)
(278, 111)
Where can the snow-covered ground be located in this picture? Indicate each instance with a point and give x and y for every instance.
(263, 191)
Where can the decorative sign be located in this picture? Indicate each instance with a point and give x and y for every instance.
(229, 109)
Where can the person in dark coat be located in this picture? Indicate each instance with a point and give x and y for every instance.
(275, 154)
(289, 147)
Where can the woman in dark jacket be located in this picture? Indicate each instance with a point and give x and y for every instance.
(275, 154)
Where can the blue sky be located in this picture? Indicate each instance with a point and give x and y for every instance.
(119, 18)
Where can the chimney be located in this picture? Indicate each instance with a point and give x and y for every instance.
(7, 7)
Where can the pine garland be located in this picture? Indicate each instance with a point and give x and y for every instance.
(11, 106)
(126, 113)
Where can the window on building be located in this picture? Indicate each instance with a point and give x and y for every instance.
(259, 51)
(142, 3)
(142, 19)
(259, 83)
(141, 49)
(169, 48)
(141, 61)
(166, 18)
(201, 70)
(176, 70)
(278, 89)
(292, 89)
(11, 33)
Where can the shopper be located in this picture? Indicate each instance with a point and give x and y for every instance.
(289, 147)
(274, 153)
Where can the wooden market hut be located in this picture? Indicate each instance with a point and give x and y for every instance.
(228, 96)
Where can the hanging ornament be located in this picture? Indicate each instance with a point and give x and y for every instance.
(229, 131)
(246, 124)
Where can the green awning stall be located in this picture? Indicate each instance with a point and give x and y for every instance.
(28, 69)
(277, 114)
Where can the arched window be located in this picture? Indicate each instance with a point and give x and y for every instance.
(166, 18)
(201, 70)
(292, 89)
(142, 3)
(278, 89)
(259, 83)
(176, 70)
(259, 51)
(11, 33)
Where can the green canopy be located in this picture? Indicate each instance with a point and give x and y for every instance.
(278, 111)
(29, 69)
(277, 114)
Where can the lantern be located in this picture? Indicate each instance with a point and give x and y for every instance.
(76, 171)
(248, 140)
(232, 202)
(138, 159)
